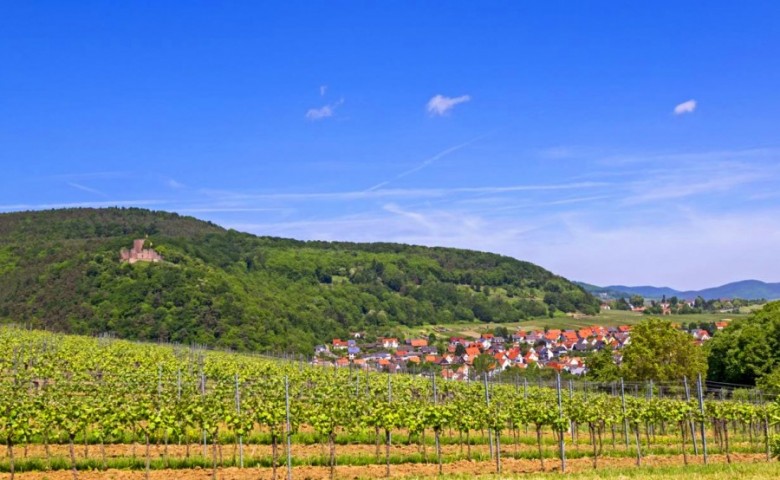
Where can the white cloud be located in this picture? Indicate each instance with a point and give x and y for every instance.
(667, 253)
(685, 107)
(661, 188)
(441, 105)
(323, 112)
(570, 244)
(323, 90)
(174, 184)
(319, 113)
(401, 193)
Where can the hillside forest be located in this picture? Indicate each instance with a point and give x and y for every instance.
(60, 270)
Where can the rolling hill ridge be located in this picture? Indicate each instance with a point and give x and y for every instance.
(746, 289)
(61, 270)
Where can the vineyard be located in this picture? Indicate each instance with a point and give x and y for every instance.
(73, 406)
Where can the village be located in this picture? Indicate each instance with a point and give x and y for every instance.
(564, 351)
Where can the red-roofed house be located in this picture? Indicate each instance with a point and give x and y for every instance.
(503, 362)
(555, 365)
(702, 335)
(585, 333)
(552, 335)
(531, 356)
(471, 354)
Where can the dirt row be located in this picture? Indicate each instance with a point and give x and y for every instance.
(226, 452)
(510, 466)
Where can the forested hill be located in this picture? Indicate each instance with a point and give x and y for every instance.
(61, 270)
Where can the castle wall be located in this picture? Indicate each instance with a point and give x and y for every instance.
(139, 254)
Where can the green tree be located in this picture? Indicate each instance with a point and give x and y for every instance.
(660, 352)
(770, 382)
(637, 300)
(748, 348)
(622, 304)
(484, 363)
(602, 367)
(501, 331)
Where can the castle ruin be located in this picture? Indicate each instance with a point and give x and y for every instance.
(139, 253)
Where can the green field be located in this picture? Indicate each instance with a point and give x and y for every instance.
(564, 322)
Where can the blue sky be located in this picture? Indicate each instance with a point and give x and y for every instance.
(610, 142)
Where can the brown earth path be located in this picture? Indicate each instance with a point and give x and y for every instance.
(510, 466)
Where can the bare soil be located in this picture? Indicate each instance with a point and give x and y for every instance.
(228, 451)
(510, 466)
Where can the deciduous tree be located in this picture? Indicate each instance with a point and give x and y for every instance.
(659, 351)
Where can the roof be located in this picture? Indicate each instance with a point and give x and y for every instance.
(552, 334)
(585, 332)
(555, 365)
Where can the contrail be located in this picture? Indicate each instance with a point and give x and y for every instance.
(78, 186)
(425, 163)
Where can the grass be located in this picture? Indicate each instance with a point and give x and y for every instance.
(743, 471)
(668, 446)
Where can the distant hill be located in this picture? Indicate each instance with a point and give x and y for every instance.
(61, 270)
(603, 292)
(746, 289)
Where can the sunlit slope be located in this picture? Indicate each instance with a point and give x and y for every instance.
(61, 270)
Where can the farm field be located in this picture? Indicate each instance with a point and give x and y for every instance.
(661, 468)
(78, 407)
(606, 318)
